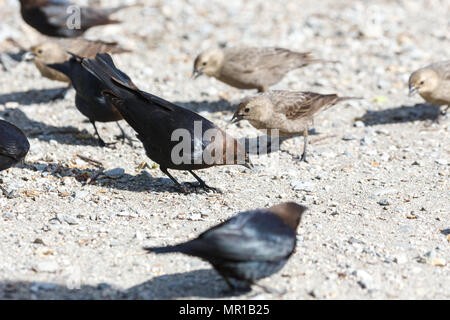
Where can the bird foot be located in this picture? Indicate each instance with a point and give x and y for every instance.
(103, 144)
(303, 158)
(200, 188)
(125, 138)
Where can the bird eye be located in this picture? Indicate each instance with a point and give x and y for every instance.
(204, 63)
(39, 51)
(246, 110)
(421, 82)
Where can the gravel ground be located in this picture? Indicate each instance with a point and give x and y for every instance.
(377, 181)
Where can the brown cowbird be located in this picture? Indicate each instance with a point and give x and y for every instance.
(53, 52)
(250, 68)
(288, 112)
(161, 125)
(88, 98)
(14, 146)
(432, 83)
(61, 18)
(251, 245)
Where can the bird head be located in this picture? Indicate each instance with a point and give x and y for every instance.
(208, 62)
(47, 52)
(255, 108)
(423, 81)
(290, 212)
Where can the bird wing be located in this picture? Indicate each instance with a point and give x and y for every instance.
(13, 142)
(297, 104)
(250, 236)
(442, 68)
(89, 48)
(248, 60)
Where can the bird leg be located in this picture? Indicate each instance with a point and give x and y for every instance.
(124, 136)
(202, 184)
(305, 143)
(183, 188)
(101, 143)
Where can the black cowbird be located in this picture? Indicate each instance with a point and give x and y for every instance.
(251, 245)
(14, 147)
(61, 18)
(158, 122)
(88, 98)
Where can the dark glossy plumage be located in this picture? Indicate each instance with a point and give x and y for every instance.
(251, 245)
(155, 120)
(88, 99)
(51, 17)
(14, 145)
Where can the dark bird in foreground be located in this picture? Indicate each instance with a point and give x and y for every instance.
(288, 112)
(433, 84)
(173, 137)
(251, 68)
(14, 147)
(61, 18)
(250, 246)
(54, 52)
(88, 98)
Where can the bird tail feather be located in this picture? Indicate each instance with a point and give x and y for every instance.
(162, 250)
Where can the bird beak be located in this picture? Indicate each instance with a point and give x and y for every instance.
(28, 56)
(236, 117)
(412, 91)
(196, 73)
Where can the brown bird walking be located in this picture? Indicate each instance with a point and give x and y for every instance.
(61, 18)
(288, 112)
(250, 68)
(250, 246)
(432, 83)
(14, 146)
(173, 137)
(54, 52)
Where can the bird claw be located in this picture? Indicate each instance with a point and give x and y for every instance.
(200, 188)
(103, 144)
(124, 138)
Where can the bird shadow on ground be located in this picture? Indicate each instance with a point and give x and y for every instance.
(200, 283)
(421, 112)
(208, 106)
(35, 129)
(204, 283)
(140, 182)
(33, 96)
